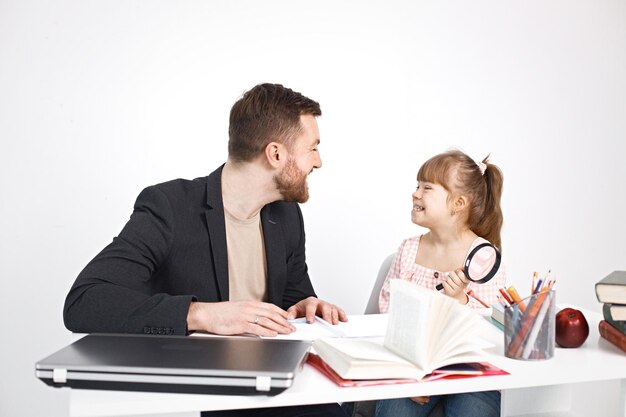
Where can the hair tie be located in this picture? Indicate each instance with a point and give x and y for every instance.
(482, 166)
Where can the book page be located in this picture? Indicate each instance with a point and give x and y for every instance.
(305, 331)
(431, 329)
(408, 326)
(319, 364)
(459, 330)
(367, 358)
(443, 308)
(462, 339)
(368, 350)
(371, 325)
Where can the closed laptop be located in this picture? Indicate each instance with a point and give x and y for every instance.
(203, 365)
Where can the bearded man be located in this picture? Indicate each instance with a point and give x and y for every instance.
(224, 253)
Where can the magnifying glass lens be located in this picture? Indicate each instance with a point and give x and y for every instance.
(481, 264)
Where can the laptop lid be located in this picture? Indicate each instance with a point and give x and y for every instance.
(207, 365)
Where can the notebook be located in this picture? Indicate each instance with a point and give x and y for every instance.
(221, 365)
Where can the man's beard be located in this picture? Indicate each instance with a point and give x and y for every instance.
(291, 183)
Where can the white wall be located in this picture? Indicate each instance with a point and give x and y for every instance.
(101, 98)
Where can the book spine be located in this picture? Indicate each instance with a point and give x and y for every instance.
(618, 324)
(497, 313)
(613, 335)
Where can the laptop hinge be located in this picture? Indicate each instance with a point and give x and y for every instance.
(263, 383)
(59, 376)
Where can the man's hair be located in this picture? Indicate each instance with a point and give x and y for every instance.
(266, 113)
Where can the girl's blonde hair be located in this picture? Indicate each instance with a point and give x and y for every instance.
(461, 175)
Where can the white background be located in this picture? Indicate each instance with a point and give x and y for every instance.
(99, 99)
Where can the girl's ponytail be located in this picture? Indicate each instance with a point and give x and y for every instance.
(489, 225)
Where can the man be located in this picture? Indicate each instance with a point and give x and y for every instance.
(225, 253)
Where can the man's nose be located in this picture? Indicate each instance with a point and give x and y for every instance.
(318, 161)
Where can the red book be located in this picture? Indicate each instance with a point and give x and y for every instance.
(317, 363)
(613, 335)
(466, 370)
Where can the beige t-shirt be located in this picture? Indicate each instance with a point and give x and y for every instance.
(247, 270)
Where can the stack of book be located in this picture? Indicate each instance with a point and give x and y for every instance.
(497, 315)
(611, 291)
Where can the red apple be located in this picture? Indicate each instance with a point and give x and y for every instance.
(572, 328)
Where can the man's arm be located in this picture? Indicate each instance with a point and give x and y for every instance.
(113, 292)
(116, 291)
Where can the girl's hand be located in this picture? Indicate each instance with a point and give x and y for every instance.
(421, 400)
(455, 285)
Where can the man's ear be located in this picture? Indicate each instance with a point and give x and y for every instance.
(274, 154)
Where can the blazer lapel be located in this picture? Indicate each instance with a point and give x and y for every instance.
(217, 231)
(275, 253)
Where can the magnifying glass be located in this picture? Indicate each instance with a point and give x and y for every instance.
(481, 264)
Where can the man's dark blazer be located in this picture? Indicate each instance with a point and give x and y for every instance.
(173, 251)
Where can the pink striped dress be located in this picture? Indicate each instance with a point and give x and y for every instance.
(404, 267)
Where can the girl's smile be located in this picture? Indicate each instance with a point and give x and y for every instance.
(430, 204)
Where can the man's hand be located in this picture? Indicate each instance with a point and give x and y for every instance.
(455, 286)
(311, 307)
(238, 317)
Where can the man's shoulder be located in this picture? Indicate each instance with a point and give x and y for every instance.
(175, 193)
(194, 187)
(181, 185)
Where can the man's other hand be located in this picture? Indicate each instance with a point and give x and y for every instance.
(311, 307)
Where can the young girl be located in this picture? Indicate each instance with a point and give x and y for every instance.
(458, 200)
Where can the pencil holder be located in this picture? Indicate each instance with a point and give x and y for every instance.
(529, 327)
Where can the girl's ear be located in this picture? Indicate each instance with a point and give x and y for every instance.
(460, 203)
(274, 154)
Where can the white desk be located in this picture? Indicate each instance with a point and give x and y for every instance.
(543, 388)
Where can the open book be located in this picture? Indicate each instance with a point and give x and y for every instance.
(426, 330)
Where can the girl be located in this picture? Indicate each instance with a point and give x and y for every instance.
(458, 200)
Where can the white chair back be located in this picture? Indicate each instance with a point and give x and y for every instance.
(372, 304)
